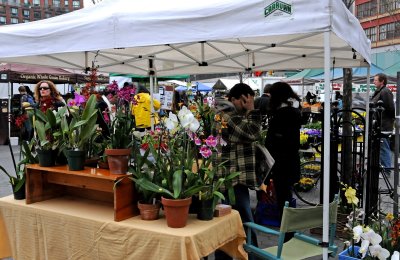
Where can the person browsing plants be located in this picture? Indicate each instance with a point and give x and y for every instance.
(47, 96)
(141, 109)
(240, 128)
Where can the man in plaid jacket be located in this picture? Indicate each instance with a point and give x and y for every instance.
(241, 129)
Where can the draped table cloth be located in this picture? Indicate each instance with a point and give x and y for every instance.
(75, 228)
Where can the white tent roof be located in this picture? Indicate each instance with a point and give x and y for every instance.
(190, 37)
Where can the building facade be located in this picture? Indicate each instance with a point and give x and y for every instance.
(380, 20)
(22, 11)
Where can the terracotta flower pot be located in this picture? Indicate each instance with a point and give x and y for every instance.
(176, 211)
(118, 160)
(149, 211)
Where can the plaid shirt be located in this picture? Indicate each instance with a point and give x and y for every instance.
(241, 133)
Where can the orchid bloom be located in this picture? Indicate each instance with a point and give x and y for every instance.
(379, 252)
(357, 231)
(395, 256)
(211, 141)
(222, 142)
(197, 141)
(205, 151)
(187, 119)
(171, 122)
(371, 236)
(351, 196)
(364, 248)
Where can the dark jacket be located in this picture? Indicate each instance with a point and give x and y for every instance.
(283, 142)
(262, 104)
(388, 114)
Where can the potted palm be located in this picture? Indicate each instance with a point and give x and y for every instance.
(77, 133)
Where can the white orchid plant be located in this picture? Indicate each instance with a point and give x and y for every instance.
(183, 149)
(362, 235)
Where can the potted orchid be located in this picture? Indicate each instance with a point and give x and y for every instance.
(183, 150)
(79, 130)
(121, 125)
(365, 241)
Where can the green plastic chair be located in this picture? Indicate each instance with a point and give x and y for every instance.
(301, 246)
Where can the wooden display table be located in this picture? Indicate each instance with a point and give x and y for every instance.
(43, 183)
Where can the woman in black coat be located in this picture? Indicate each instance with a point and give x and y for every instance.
(283, 140)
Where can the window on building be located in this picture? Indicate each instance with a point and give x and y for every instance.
(382, 32)
(14, 11)
(37, 15)
(36, 2)
(2, 9)
(26, 13)
(47, 15)
(14, 20)
(367, 9)
(66, 3)
(2, 20)
(57, 3)
(371, 33)
(393, 30)
(76, 4)
(388, 6)
(26, 21)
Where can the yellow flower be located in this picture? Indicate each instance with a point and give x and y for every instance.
(351, 196)
(389, 217)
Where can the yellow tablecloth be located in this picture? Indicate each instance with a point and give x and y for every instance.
(71, 228)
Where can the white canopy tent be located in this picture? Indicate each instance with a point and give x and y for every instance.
(193, 37)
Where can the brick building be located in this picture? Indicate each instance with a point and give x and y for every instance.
(22, 11)
(381, 22)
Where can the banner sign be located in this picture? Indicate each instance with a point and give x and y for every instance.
(356, 88)
(166, 97)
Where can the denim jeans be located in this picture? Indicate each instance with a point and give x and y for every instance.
(242, 205)
(385, 153)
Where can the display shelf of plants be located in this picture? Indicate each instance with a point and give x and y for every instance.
(173, 163)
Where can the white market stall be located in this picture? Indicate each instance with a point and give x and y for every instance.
(194, 37)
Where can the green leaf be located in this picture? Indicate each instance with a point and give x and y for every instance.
(177, 183)
(89, 108)
(51, 118)
(219, 195)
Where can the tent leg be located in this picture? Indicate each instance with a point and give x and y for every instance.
(326, 133)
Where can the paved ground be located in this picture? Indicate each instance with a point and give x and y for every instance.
(5, 189)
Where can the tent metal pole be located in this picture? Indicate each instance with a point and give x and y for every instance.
(396, 152)
(326, 132)
(151, 74)
(366, 136)
(10, 86)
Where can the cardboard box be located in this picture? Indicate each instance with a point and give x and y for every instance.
(222, 210)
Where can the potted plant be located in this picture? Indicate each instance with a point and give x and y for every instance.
(77, 133)
(211, 191)
(18, 181)
(175, 147)
(149, 201)
(47, 134)
(120, 123)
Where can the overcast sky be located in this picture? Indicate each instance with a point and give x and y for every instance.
(87, 2)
